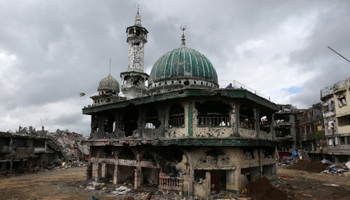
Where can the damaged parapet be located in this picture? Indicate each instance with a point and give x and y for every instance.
(28, 148)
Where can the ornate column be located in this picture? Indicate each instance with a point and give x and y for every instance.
(138, 174)
(115, 173)
(97, 171)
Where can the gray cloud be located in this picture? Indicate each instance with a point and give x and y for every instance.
(52, 51)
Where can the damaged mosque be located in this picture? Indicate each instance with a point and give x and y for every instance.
(181, 131)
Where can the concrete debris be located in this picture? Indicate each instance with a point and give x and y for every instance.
(325, 161)
(340, 169)
(329, 184)
(105, 186)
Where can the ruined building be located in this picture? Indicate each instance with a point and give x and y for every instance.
(284, 125)
(180, 132)
(309, 127)
(29, 148)
(336, 114)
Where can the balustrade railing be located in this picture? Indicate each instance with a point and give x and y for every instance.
(170, 183)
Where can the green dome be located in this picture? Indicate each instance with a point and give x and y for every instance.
(108, 83)
(183, 62)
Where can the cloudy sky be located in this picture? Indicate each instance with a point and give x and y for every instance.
(50, 51)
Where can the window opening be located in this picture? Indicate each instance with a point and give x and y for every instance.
(341, 102)
(176, 116)
(213, 113)
(246, 118)
(342, 140)
(186, 83)
(265, 122)
(152, 121)
(130, 121)
(108, 123)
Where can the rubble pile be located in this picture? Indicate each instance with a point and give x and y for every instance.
(341, 169)
(54, 166)
(310, 166)
(69, 144)
(287, 161)
(126, 191)
(262, 189)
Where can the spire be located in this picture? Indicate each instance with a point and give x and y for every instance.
(137, 21)
(183, 44)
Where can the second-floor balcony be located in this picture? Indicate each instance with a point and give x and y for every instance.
(340, 86)
(326, 92)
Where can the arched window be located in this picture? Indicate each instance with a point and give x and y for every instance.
(176, 116)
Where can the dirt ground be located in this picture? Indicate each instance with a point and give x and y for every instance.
(48, 185)
(57, 185)
(307, 185)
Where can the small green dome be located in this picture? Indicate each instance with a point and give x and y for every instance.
(183, 62)
(108, 83)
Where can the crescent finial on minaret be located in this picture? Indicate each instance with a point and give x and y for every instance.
(183, 44)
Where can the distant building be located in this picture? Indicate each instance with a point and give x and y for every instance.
(29, 148)
(338, 130)
(284, 125)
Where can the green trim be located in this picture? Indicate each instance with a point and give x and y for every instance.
(233, 191)
(162, 134)
(258, 128)
(237, 120)
(217, 142)
(189, 92)
(190, 119)
(213, 126)
(209, 142)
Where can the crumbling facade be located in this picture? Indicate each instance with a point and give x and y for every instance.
(284, 125)
(323, 130)
(28, 148)
(181, 131)
(336, 114)
(310, 129)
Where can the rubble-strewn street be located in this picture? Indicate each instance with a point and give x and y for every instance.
(65, 184)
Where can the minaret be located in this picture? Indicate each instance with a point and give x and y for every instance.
(133, 80)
